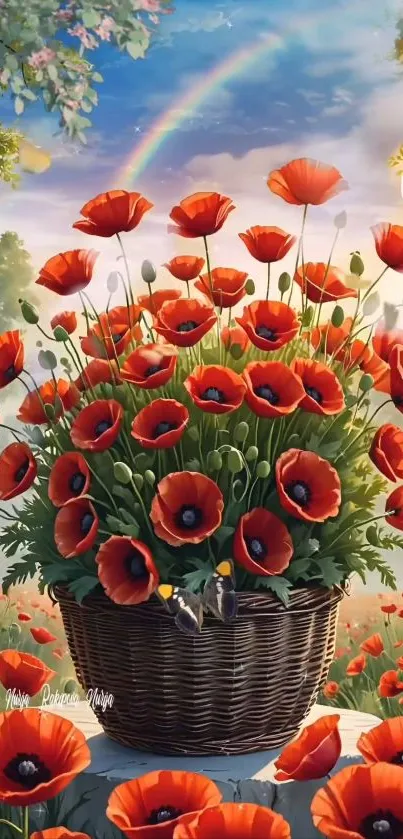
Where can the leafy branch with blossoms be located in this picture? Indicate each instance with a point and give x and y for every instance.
(186, 431)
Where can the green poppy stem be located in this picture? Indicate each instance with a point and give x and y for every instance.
(363, 431)
(12, 825)
(25, 822)
(354, 527)
(268, 281)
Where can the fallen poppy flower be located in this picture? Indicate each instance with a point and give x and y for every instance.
(361, 802)
(269, 324)
(11, 357)
(225, 287)
(389, 608)
(150, 366)
(24, 617)
(23, 672)
(185, 268)
(357, 665)
(387, 451)
(313, 754)
(127, 570)
(215, 389)
(69, 478)
(306, 181)
(69, 272)
(384, 743)
(200, 214)
(328, 338)
(322, 283)
(18, 470)
(42, 635)
(59, 833)
(324, 393)
(235, 336)
(373, 645)
(272, 389)
(330, 690)
(109, 213)
(390, 684)
(385, 340)
(262, 543)
(308, 485)
(97, 426)
(153, 302)
(267, 244)
(184, 322)
(62, 396)
(42, 753)
(187, 508)
(97, 372)
(161, 424)
(67, 320)
(394, 510)
(151, 805)
(76, 527)
(389, 244)
(233, 821)
(111, 336)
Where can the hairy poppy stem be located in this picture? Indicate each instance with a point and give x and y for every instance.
(12, 825)
(25, 822)
(354, 527)
(363, 431)
(375, 283)
(325, 277)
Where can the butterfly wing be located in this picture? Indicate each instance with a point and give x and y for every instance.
(184, 605)
(219, 596)
(33, 159)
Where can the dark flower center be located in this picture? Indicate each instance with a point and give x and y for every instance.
(117, 337)
(155, 368)
(27, 770)
(187, 326)
(381, 825)
(21, 471)
(86, 523)
(10, 373)
(77, 483)
(299, 492)
(265, 332)
(164, 814)
(398, 759)
(163, 428)
(314, 394)
(102, 427)
(189, 517)
(213, 394)
(256, 548)
(136, 566)
(265, 392)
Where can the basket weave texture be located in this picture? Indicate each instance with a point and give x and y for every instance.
(237, 688)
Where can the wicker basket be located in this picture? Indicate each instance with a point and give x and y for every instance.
(234, 689)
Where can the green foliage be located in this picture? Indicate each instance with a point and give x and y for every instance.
(9, 146)
(16, 277)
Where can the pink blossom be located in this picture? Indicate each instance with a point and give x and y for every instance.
(88, 41)
(64, 14)
(105, 28)
(148, 5)
(42, 58)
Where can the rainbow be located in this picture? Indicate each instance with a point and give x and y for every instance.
(181, 109)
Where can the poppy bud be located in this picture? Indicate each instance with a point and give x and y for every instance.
(372, 536)
(112, 282)
(214, 461)
(337, 316)
(371, 304)
(138, 480)
(29, 312)
(252, 453)
(65, 362)
(284, 282)
(236, 351)
(241, 432)
(340, 220)
(235, 461)
(148, 272)
(50, 411)
(250, 287)
(263, 469)
(39, 344)
(122, 472)
(356, 264)
(149, 477)
(366, 382)
(70, 686)
(61, 334)
(307, 316)
(193, 432)
(47, 360)
(193, 465)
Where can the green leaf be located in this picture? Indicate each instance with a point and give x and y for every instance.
(83, 586)
(278, 585)
(196, 580)
(91, 18)
(137, 49)
(96, 77)
(132, 530)
(329, 571)
(19, 105)
(222, 534)
(52, 72)
(123, 493)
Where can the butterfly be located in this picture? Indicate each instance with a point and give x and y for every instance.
(219, 598)
(32, 158)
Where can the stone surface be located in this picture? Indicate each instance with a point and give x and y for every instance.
(248, 778)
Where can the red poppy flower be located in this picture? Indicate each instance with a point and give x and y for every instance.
(384, 743)
(235, 336)
(234, 821)
(390, 684)
(331, 690)
(262, 543)
(385, 340)
(42, 753)
(149, 807)
(394, 508)
(379, 370)
(42, 635)
(273, 390)
(389, 244)
(76, 527)
(373, 645)
(267, 244)
(328, 338)
(97, 426)
(389, 608)
(112, 335)
(396, 376)
(313, 754)
(306, 181)
(269, 324)
(18, 470)
(69, 478)
(127, 570)
(161, 424)
(308, 486)
(150, 366)
(11, 357)
(185, 268)
(109, 213)
(184, 322)
(63, 397)
(153, 302)
(97, 372)
(225, 288)
(322, 283)
(200, 214)
(22, 672)
(59, 833)
(24, 617)
(360, 802)
(356, 666)
(356, 354)
(216, 389)
(324, 393)
(387, 451)
(69, 272)
(187, 508)
(67, 320)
